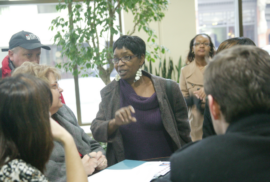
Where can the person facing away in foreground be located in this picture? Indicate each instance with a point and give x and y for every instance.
(208, 129)
(201, 48)
(56, 167)
(27, 132)
(237, 83)
(135, 116)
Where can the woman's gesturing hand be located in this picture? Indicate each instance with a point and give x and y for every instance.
(123, 116)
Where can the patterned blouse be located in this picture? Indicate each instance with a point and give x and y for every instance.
(19, 171)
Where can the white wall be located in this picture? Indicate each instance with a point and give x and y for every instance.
(176, 29)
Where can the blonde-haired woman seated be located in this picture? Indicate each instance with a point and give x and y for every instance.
(56, 167)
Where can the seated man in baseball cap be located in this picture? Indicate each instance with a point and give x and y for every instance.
(23, 46)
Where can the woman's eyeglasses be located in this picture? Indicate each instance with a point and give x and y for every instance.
(199, 43)
(123, 59)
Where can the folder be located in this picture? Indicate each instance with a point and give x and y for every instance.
(129, 170)
(126, 164)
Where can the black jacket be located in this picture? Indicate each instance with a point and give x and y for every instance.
(242, 154)
(208, 129)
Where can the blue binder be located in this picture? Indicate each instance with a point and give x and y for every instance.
(126, 164)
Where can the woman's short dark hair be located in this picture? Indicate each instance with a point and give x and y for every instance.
(134, 43)
(238, 79)
(234, 41)
(191, 55)
(24, 120)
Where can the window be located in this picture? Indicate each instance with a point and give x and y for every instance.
(218, 19)
(37, 19)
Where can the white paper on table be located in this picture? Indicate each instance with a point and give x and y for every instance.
(142, 173)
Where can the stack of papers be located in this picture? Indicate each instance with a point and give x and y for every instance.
(130, 171)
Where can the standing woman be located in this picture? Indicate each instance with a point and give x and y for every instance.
(191, 81)
(135, 116)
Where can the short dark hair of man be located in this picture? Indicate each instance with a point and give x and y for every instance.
(233, 42)
(239, 81)
(134, 43)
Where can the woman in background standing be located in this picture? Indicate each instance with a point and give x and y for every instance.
(191, 81)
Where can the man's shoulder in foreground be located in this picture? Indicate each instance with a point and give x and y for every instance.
(235, 156)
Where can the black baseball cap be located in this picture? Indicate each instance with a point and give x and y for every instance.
(26, 40)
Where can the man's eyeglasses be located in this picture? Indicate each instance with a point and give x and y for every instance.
(123, 59)
(199, 43)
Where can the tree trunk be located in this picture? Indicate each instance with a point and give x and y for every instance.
(77, 94)
(75, 68)
(105, 77)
